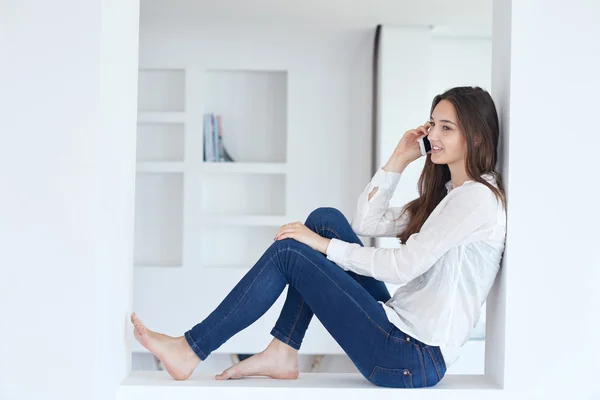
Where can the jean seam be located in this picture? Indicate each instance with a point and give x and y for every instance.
(372, 372)
(289, 338)
(422, 365)
(337, 235)
(346, 293)
(284, 336)
(392, 370)
(195, 344)
(435, 364)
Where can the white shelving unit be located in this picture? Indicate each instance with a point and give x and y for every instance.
(246, 220)
(202, 221)
(160, 166)
(232, 201)
(161, 117)
(158, 219)
(159, 183)
(246, 167)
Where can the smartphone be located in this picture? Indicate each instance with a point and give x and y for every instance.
(424, 145)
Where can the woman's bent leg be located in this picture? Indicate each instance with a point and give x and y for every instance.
(296, 315)
(352, 316)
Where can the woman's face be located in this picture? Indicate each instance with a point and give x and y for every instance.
(445, 133)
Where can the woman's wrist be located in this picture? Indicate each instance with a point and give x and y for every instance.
(396, 164)
(325, 245)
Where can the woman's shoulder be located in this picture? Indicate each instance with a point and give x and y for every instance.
(488, 177)
(480, 188)
(473, 188)
(479, 195)
(495, 207)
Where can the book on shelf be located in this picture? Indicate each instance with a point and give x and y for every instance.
(214, 149)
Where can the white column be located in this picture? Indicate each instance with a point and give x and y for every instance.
(68, 74)
(546, 85)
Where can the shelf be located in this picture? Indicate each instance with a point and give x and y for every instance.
(156, 266)
(220, 245)
(158, 235)
(161, 89)
(160, 167)
(246, 220)
(254, 110)
(229, 266)
(160, 142)
(141, 385)
(161, 117)
(243, 194)
(245, 167)
(238, 168)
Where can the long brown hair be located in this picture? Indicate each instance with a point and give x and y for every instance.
(478, 121)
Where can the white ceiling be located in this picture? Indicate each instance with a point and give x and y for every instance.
(471, 15)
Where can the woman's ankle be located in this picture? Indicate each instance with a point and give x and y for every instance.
(188, 351)
(278, 346)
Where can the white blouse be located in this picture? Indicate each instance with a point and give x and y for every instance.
(446, 269)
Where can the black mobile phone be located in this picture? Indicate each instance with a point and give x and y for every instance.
(424, 145)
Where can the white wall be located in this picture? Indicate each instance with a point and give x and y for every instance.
(114, 194)
(67, 127)
(546, 78)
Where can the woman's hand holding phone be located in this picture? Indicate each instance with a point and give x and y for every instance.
(407, 150)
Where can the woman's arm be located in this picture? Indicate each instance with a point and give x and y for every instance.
(373, 216)
(454, 221)
(394, 165)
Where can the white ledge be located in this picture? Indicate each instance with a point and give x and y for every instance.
(149, 385)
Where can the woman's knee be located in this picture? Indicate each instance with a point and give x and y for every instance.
(290, 244)
(290, 250)
(330, 214)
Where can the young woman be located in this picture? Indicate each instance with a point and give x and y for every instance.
(452, 240)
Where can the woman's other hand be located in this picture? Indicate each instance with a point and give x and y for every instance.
(297, 230)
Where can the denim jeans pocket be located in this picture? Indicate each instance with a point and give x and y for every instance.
(387, 377)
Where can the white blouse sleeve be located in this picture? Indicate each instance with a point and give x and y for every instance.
(461, 213)
(375, 217)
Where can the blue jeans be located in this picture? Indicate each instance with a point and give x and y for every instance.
(345, 303)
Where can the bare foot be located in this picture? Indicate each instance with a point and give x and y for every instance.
(278, 361)
(175, 353)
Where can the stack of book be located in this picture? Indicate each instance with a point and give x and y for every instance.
(214, 150)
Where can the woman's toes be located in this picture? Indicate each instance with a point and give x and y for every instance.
(221, 376)
(229, 373)
(143, 335)
(134, 318)
(136, 321)
(139, 328)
